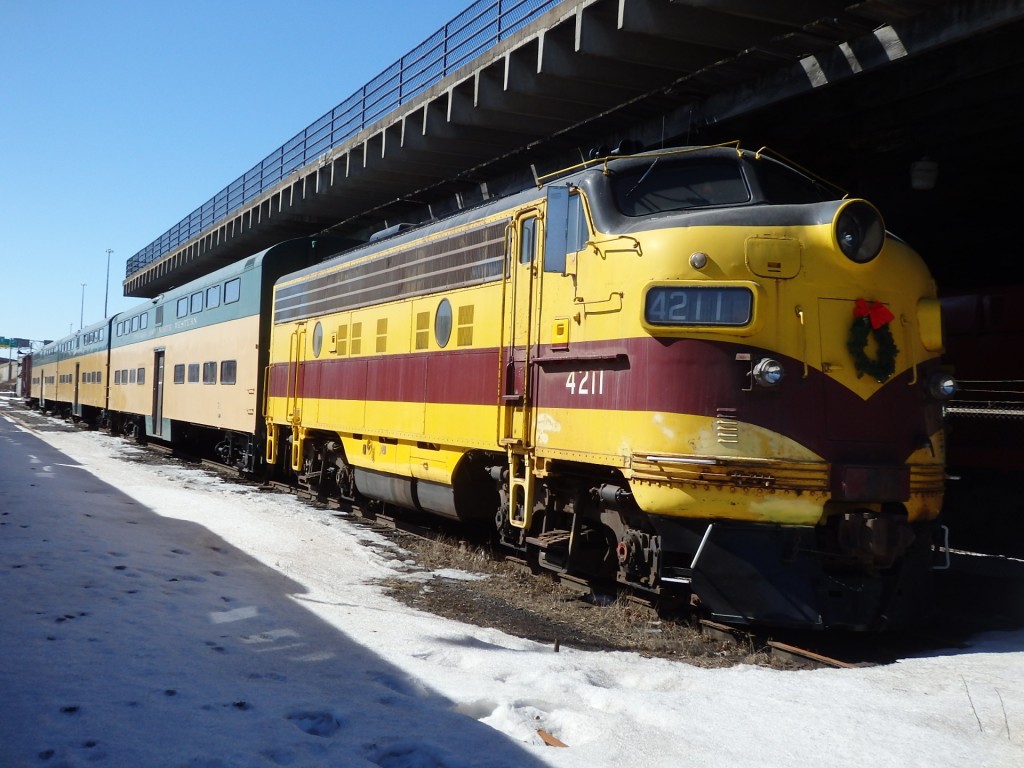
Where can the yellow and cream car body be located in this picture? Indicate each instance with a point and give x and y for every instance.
(187, 365)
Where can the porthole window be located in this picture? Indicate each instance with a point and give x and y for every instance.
(443, 323)
(318, 339)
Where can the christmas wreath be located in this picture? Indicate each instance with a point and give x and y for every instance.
(872, 317)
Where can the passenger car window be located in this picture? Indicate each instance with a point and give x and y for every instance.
(232, 290)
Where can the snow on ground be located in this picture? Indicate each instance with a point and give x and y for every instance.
(176, 620)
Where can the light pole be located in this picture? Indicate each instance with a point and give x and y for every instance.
(81, 315)
(106, 293)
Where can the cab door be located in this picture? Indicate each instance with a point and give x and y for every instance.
(523, 290)
(293, 391)
(522, 265)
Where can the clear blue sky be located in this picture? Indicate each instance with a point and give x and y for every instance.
(118, 118)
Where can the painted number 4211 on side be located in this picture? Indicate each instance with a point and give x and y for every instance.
(585, 382)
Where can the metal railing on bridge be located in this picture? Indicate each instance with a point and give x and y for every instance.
(474, 31)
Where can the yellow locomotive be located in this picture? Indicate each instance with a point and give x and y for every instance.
(701, 372)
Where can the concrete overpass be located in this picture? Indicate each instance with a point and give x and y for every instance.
(853, 90)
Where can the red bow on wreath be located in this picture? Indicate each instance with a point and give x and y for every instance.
(876, 312)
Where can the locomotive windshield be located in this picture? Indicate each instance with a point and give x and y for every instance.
(679, 185)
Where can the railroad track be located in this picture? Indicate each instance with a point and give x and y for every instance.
(821, 654)
(793, 655)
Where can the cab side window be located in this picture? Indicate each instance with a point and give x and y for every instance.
(528, 240)
(578, 231)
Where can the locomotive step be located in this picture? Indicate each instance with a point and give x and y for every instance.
(554, 539)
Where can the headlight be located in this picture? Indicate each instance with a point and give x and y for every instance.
(768, 372)
(941, 385)
(859, 231)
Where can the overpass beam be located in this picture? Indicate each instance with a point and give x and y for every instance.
(523, 74)
(792, 13)
(697, 24)
(465, 109)
(598, 34)
(490, 93)
(558, 56)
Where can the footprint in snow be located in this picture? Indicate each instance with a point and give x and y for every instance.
(315, 723)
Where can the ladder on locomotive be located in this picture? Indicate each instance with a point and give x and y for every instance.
(536, 233)
(518, 324)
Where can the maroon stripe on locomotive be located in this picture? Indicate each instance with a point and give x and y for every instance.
(659, 375)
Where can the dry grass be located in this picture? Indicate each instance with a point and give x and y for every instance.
(540, 608)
